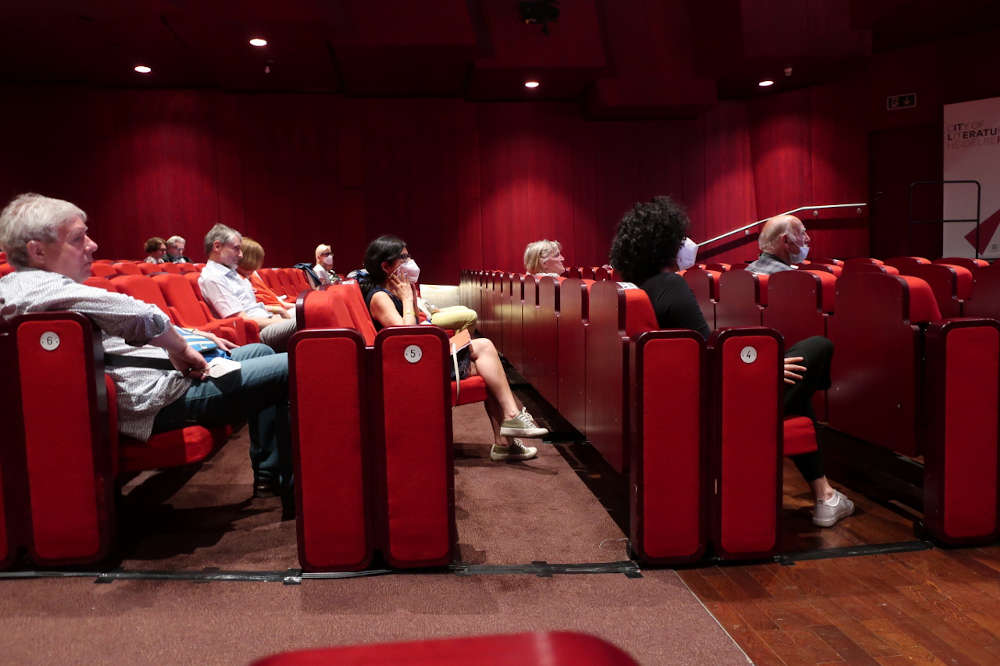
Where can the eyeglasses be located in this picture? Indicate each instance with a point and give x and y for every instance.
(405, 256)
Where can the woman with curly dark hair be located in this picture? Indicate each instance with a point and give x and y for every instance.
(647, 250)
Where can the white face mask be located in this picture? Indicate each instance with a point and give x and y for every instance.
(328, 260)
(410, 270)
(800, 256)
(687, 254)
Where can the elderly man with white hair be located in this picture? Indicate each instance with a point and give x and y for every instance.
(783, 243)
(162, 382)
(175, 250)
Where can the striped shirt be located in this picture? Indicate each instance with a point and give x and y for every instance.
(768, 264)
(125, 324)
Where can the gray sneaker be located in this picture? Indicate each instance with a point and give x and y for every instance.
(516, 451)
(522, 425)
(827, 515)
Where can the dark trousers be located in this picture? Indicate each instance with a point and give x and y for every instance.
(817, 352)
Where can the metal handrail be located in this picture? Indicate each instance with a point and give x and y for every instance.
(744, 229)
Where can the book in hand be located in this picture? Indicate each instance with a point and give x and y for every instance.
(460, 341)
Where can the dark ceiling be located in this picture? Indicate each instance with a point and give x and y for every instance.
(622, 58)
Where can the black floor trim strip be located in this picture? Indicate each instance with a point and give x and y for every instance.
(854, 551)
(546, 570)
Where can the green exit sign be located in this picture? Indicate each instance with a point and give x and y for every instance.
(897, 102)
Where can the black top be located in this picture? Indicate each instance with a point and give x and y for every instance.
(371, 290)
(674, 303)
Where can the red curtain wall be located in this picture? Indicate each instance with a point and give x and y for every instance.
(466, 184)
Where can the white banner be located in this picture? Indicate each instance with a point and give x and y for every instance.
(972, 152)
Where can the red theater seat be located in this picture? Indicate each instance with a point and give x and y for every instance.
(705, 285)
(984, 298)
(742, 298)
(946, 282)
(549, 648)
(965, 262)
(127, 268)
(148, 269)
(103, 270)
(181, 293)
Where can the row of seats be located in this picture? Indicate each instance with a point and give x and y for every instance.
(904, 376)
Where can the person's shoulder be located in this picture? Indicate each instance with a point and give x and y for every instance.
(664, 280)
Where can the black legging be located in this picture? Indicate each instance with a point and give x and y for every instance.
(817, 352)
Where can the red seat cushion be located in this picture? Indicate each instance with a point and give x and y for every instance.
(800, 435)
(169, 449)
(473, 390)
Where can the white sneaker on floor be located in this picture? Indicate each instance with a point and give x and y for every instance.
(522, 425)
(828, 512)
(516, 451)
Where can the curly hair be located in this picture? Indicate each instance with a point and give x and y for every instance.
(648, 238)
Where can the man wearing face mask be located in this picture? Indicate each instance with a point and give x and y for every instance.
(783, 243)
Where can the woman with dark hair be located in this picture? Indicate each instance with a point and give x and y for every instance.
(647, 248)
(392, 301)
(155, 248)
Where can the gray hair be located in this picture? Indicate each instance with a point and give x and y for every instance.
(31, 217)
(538, 252)
(174, 240)
(221, 233)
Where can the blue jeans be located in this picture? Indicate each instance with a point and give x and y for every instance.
(257, 392)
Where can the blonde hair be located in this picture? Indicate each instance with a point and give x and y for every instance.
(538, 252)
(320, 249)
(253, 254)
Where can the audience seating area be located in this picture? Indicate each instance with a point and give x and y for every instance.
(695, 426)
(917, 382)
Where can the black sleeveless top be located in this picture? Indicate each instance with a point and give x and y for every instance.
(464, 356)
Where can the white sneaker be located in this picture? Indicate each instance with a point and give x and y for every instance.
(516, 451)
(828, 512)
(522, 425)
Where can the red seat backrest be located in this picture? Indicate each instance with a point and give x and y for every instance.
(178, 292)
(944, 282)
(103, 270)
(966, 262)
(171, 268)
(923, 306)
(101, 283)
(127, 268)
(147, 268)
(143, 288)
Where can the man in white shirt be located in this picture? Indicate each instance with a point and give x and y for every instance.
(231, 295)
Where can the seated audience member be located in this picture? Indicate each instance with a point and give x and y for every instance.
(783, 242)
(253, 258)
(392, 302)
(544, 257)
(646, 250)
(155, 248)
(232, 295)
(175, 250)
(47, 242)
(324, 266)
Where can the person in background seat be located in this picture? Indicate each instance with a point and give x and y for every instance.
(392, 301)
(46, 240)
(783, 243)
(544, 257)
(253, 259)
(175, 250)
(231, 295)
(324, 266)
(155, 248)
(645, 250)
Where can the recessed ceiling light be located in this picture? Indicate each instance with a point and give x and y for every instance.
(142, 69)
(258, 41)
(531, 84)
(765, 83)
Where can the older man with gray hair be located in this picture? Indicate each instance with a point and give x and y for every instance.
(162, 383)
(231, 295)
(783, 243)
(175, 250)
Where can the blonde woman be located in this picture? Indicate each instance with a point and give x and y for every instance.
(544, 257)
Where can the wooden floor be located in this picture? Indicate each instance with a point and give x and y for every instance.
(933, 606)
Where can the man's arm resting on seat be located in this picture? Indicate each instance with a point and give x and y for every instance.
(187, 361)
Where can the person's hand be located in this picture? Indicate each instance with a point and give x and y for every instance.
(190, 363)
(222, 343)
(792, 370)
(400, 286)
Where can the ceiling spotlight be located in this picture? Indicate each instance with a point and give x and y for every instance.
(142, 69)
(765, 83)
(531, 84)
(258, 41)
